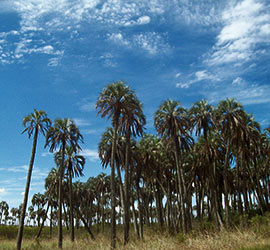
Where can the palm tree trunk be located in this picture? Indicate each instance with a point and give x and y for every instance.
(140, 208)
(102, 210)
(180, 187)
(85, 224)
(121, 187)
(126, 203)
(51, 222)
(225, 180)
(60, 197)
(43, 221)
(113, 194)
(71, 220)
(136, 227)
(27, 187)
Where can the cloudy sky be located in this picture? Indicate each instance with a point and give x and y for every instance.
(57, 55)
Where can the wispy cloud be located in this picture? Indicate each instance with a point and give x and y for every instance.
(86, 105)
(3, 191)
(245, 26)
(18, 169)
(244, 92)
(198, 76)
(92, 155)
(81, 122)
(151, 42)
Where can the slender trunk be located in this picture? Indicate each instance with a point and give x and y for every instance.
(102, 210)
(180, 187)
(51, 222)
(27, 187)
(71, 220)
(43, 221)
(85, 224)
(60, 197)
(113, 200)
(136, 227)
(126, 203)
(225, 179)
(139, 207)
(121, 188)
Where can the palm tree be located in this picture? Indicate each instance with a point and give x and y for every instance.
(3, 210)
(229, 119)
(34, 123)
(64, 133)
(112, 101)
(39, 201)
(171, 121)
(202, 120)
(74, 165)
(105, 151)
(131, 123)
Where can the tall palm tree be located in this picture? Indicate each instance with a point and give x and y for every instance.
(171, 121)
(229, 119)
(74, 165)
(64, 133)
(105, 151)
(202, 119)
(112, 101)
(34, 123)
(131, 124)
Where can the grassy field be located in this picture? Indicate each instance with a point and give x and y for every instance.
(257, 237)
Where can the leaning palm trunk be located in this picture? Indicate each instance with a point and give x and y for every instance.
(85, 224)
(27, 187)
(43, 221)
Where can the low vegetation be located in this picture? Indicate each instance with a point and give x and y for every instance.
(255, 237)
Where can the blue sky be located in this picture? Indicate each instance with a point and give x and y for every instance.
(57, 55)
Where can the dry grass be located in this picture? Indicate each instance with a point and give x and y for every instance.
(155, 240)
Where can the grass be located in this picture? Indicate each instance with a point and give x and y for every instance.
(252, 238)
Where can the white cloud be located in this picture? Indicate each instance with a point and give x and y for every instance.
(45, 154)
(152, 42)
(238, 81)
(182, 85)
(241, 90)
(90, 131)
(86, 106)
(91, 154)
(81, 122)
(198, 76)
(245, 26)
(118, 39)
(143, 20)
(204, 75)
(18, 169)
(3, 191)
(53, 62)
(265, 29)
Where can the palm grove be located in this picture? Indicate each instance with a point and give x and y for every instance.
(205, 163)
